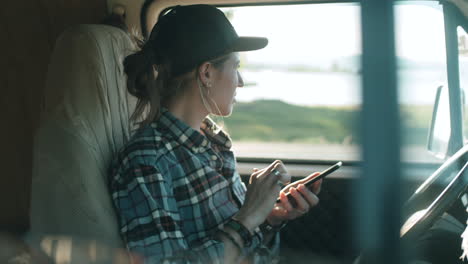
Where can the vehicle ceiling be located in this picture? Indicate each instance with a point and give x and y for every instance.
(462, 5)
(132, 7)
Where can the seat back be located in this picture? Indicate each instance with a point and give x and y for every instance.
(84, 123)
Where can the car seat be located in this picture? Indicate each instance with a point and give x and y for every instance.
(85, 121)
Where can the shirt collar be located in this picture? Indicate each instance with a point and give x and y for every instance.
(178, 130)
(216, 134)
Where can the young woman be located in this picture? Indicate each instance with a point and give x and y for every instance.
(174, 185)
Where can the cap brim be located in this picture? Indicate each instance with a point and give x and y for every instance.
(249, 43)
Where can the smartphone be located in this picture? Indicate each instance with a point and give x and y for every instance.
(309, 183)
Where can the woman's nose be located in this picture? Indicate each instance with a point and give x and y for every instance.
(240, 80)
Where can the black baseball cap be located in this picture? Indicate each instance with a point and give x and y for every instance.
(188, 35)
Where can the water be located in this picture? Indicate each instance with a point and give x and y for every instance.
(334, 88)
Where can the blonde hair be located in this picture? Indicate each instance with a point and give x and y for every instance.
(154, 85)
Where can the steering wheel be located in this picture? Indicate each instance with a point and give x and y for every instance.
(422, 220)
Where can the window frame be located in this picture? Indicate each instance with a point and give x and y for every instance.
(452, 19)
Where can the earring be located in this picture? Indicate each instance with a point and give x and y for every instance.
(208, 85)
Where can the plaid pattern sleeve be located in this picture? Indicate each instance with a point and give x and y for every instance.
(151, 223)
(173, 188)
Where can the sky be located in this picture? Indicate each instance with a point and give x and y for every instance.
(321, 35)
(333, 30)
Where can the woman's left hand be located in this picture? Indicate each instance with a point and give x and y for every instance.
(306, 198)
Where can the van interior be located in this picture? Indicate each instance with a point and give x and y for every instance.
(378, 85)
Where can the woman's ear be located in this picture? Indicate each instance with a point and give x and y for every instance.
(205, 73)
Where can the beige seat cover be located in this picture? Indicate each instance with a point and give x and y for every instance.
(85, 122)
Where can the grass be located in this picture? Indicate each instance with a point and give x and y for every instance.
(274, 120)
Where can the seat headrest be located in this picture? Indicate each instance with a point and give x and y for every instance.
(86, 79)
(85, 121)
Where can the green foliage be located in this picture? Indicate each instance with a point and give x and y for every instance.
(274, 120)
(416, 120)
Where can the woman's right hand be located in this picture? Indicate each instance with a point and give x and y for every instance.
(261, 195)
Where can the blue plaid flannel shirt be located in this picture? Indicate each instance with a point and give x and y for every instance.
(173, 188)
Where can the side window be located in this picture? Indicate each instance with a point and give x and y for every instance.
(302, 92)
(463, 68)
(421, 68)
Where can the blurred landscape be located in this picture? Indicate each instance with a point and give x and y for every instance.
(278, 130)
(277, 121)
(303, 92)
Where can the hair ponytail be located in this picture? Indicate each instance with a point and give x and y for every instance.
(141, 83)
(149, 76)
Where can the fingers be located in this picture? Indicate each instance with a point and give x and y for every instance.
(270, 177)
(254, 176)
(295, 184)
(308, 196)
(313, 175)
(273, 177)
(302, 205)
(273, 165)
(305, 199)
(284, 176)
(285, 202)
(275, 172)
(262, 172)
(303, 196)
(317, 186)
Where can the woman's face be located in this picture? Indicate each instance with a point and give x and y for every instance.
(226, 79)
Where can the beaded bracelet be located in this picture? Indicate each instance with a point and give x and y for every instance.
(267, 227)
(243, 232)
